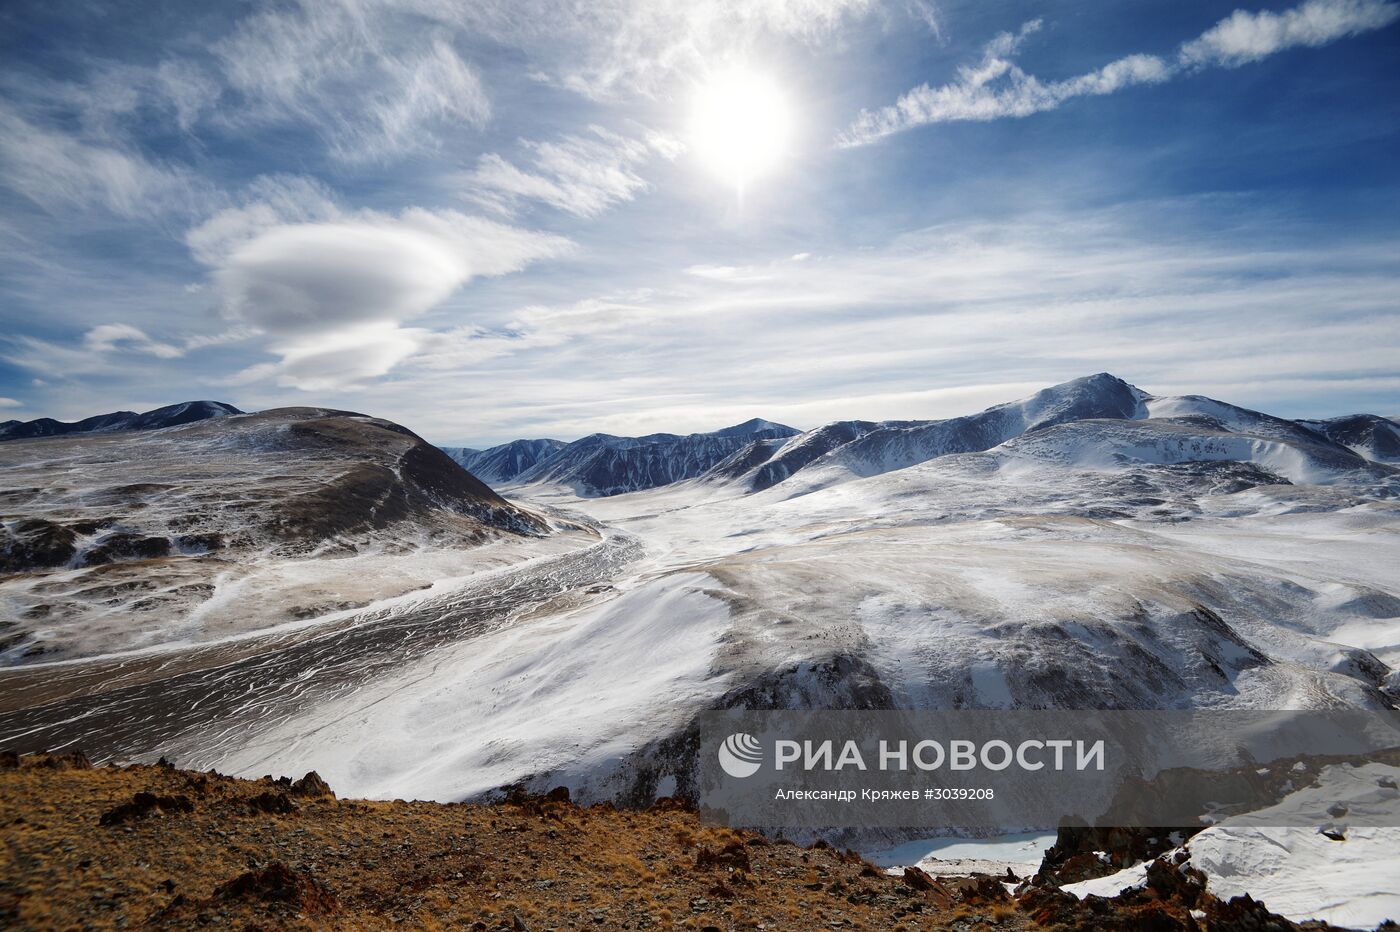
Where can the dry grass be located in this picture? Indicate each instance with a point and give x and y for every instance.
(422, 865)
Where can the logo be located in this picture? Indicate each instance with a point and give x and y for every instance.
(740, 755)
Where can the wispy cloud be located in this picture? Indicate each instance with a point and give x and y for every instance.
(374, 78)
(997, 88)
(59, 170)
(892, 331)
(612, 48)
(105, 338)
(580, 174)
(1244, 37)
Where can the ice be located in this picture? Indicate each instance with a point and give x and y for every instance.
(947, 856)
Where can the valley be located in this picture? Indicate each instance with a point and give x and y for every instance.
(1090, 547)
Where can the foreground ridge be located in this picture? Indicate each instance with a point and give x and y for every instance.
(171, 848)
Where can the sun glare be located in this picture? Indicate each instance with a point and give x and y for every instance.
(740, 125)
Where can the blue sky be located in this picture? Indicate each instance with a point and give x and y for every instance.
(500, 219)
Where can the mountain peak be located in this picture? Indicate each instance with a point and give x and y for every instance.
(756, 425)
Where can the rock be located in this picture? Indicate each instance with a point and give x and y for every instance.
(1244, 913)
(142, 805)
(733, 856)
(272, 803)
(312, 785)
(71, 760)
(1074, 855)
(278, 883)
(560, 794)
(122, 546)
(918, 880)
(35, 543)
(199, 543)
(979, 891)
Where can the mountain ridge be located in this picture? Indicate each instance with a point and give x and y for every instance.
(601, 465)
(184, 412)
(860, 449)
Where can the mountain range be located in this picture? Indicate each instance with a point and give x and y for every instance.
(1091, 546)
(169, 416)
(306, 589)
(602, 464)
(1131, 425)
(501, 464)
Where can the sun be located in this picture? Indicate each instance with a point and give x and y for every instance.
(740, 125)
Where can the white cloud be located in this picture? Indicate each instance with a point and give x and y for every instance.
(58, 171)
(726, 273)
(330, 290)
(582, 175)
(606, 48)
(374, 78)
(337, 359)
(997, 88)
(1244, 37)
(11, 403)
(892, 330)
(269, 201)
(106, 338)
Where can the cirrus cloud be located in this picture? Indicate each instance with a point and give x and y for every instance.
(581, 174)
(997, 88)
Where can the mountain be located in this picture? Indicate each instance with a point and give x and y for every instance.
(1092, 546)
(1376, 438)
(1168, 429)
(500, 464)
(601, 464)
(169, 416)
(216, 514)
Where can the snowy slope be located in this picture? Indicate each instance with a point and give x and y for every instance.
(501, 464)
(1300, 873)
(1103, 444)
(124, 538)
(568, 699)
(601, 464)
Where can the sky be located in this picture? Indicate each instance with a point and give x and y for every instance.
(506, 218)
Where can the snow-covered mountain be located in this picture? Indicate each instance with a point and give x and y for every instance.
(116, 538)
(1128, 424)
(499, 465)
(169, 416)
(601, 464)
(1092, 546)
(1369, 435)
